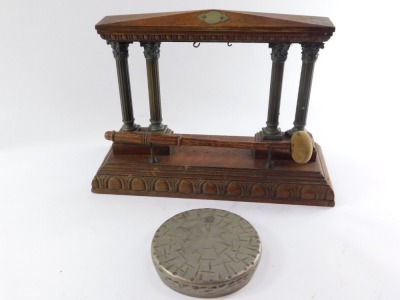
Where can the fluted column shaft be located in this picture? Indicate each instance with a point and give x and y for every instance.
(152, 54)
(309, 57)
(120, 51)
(278, 56)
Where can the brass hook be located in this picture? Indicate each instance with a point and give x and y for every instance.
(196, 45)
(229, 44)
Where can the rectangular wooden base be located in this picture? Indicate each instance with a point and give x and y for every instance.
(216, 173)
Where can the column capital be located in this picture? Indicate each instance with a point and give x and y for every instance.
(151, 50)
(279, 51)
(120, 49)
(309, 52)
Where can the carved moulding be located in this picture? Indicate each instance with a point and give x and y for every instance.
(307, 194)
(206, 37)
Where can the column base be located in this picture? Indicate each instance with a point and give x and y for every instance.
(289, 133)
(271, 133)
(158, 129)
(130, 127)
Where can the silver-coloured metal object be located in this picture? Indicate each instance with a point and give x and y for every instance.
(206, 252)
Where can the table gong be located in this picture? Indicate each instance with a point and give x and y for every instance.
(154, 161)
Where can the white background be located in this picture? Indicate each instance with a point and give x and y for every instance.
(59, 94)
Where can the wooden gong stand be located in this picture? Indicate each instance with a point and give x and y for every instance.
(153, 161)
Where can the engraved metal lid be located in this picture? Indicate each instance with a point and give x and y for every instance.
(206, 252)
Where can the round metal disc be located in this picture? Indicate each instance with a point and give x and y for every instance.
(206, 252)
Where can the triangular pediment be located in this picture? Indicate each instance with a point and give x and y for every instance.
(234, 19)
(215, 25)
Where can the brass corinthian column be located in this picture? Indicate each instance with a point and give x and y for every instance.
(152, 54)
(120, 51)
(309, 57)
(278, 56)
